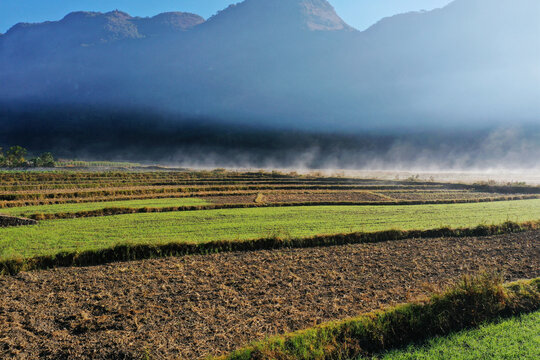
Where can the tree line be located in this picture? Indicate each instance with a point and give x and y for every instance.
(16, 156)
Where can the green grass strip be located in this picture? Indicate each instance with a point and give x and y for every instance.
(72, 211)
(51, 237)
(472, 302)
(128, 252)
(514, 338)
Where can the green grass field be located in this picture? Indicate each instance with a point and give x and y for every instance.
(53, 236)
(64, 208)
(516, 338)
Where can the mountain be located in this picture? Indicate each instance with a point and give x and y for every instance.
(286, 64)
(84, 28)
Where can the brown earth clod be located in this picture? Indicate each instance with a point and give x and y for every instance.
(6, 221)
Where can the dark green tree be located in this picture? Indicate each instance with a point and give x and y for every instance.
(15, 156)
(44, 160)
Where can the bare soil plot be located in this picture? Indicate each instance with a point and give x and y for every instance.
(320, 196)
(284, 196)
(195, 306)
(231, 199)
(439, 195)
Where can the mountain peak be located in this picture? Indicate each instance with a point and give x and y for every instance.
(312, 15)
(168, 22)
(84, 15)
(320, 15)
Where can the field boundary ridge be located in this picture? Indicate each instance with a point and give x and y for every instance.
(9, 221)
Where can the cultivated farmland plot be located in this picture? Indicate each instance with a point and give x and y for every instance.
(191, 264)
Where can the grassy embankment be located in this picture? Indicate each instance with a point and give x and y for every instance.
(471, 303)
(514, 338)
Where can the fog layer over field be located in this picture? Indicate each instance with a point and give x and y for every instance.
(145, 137)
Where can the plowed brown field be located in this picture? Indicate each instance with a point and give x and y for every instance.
(322, 196)
(195, 306)
(304, 196)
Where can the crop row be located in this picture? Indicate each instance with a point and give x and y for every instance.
(105, 184)
(109, 211)
(99, 199)
(59, 194)
(273, 196)
(76, 176)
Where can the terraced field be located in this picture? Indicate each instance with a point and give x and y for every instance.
(54, 236)
(209, 304)
(25, 189)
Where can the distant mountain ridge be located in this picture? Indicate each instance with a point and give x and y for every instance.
(90, 28)
(84, 28)
(288, 63)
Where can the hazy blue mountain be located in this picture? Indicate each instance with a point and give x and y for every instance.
(85, 29)
(287, 64)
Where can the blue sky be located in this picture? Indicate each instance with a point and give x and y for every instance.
(358, 13)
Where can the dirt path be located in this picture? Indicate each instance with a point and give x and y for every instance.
(199, 305)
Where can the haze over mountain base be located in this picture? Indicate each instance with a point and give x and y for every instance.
(87, 133)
